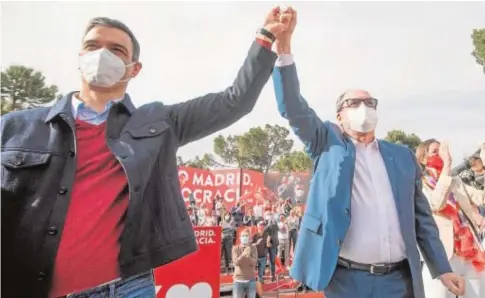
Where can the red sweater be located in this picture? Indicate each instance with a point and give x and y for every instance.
(89, 248)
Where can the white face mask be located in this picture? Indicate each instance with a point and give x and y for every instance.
(361, 119)
(102, 68)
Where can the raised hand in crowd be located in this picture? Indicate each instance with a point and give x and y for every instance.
(444, 153)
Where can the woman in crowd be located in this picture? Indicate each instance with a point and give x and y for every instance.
(293, 225)
(455, 209)
(228, 229)
(244, 258)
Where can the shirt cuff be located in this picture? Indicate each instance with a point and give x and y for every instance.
(284, 60)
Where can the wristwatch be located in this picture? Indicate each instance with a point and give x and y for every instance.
(267, 34)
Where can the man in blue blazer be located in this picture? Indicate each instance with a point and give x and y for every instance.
(366, 214)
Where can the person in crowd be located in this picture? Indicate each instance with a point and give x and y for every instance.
(300, 193)
(87, 192)
(237, 213)
(474, 174)
(220, 209)
(249, 219)
(270, 235)
(202, 213)
(276, 210)
(293, 226)
(284, 241)
(286, 188)
(260, 243)
(228, 232)
(193, 216)
(258, 210)
(366, 213)
(267, 206)
(298, 208)
(244, 258)
(286, 207)
(210, 220)
(455, 207)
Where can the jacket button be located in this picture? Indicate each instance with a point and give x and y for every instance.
(71, 153)
(62, 190)
(152, 130)
(17, 161)
(41, 275)
(52, 231)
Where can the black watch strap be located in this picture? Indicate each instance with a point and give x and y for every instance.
(267, 34)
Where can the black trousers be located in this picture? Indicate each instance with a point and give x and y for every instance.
(226, 251)
(293, 236)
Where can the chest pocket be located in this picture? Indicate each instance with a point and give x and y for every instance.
(149, 130)
(22, 169)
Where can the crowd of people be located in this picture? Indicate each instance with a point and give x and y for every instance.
(277, 224)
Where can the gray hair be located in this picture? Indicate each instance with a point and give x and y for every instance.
(112, 23)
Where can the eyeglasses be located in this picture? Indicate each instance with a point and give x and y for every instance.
(355, 102)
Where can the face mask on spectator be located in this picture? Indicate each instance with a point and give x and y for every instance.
(435, 162)
(244, 240)
(227, 218)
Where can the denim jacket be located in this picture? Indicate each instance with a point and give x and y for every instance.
(38, 170)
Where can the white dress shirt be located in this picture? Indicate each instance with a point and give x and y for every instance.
(374, 235)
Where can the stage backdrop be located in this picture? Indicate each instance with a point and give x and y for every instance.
(196, 275)
(230, 184)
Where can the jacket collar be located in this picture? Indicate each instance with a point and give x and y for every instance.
(64, 106)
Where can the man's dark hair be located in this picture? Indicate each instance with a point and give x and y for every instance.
(112, 23)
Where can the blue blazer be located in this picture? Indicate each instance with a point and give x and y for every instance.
(327, 215)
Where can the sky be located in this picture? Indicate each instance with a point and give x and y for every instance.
(413, 56)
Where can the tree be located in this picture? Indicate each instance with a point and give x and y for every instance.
(296, 161)
(400, 137)
(24, 88)
(258, 149)
(478, 38)
(204, 162)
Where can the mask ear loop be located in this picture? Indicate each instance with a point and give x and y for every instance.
(129, 78)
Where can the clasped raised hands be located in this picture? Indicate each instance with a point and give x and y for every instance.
(281, 23)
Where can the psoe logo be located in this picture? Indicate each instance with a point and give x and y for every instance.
(199, 290)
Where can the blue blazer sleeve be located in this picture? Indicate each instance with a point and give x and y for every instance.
(427, 234)
(293, 107)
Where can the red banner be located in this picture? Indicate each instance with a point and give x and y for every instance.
(196, 275)
(230, 184)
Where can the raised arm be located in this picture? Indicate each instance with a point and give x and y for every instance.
(291, 104)
(207, 114)
(438, 196)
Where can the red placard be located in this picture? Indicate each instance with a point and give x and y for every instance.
(196, 275)
(230, 184)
